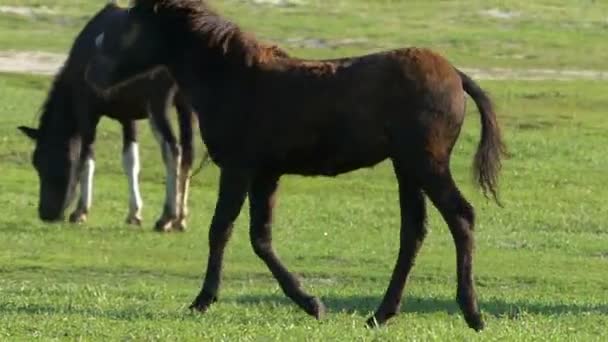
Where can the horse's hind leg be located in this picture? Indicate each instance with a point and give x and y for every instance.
(460, 217)
(261, 202)
(185, 117)
(161, 127)
(413, 232)
(131, 167)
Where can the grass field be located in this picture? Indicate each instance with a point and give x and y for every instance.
(541, 262)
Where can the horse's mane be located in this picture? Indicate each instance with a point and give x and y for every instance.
(217, 31)
(55, 101)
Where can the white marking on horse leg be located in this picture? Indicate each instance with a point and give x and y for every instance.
(131, 166)
(172, 198)
(172, 191)
(86, 183)
(184, 184)
(86, 191)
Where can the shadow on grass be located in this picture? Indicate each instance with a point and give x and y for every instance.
(495, 307)
(126, 314)
(358, 305)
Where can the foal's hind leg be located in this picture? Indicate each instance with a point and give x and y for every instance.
(413, 232)
(261, 202)
(460, 217)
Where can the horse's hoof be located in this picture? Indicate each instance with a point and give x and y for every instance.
(163, 225)
(135, 221)
(179, 226)
(78, 217)
(314, 307)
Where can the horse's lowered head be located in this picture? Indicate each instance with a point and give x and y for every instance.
(56, 163)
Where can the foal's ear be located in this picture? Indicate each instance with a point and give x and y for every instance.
(32, 133)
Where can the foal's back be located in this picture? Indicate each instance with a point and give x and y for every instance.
(333, 116)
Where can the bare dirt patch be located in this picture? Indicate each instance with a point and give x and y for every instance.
(280, 3)
(31, 62)
(45, 63)
(320, 43)
(500, 14)
(535, 74)
(26, 11)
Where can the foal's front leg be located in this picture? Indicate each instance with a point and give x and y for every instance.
(233, 189)
(261, 201)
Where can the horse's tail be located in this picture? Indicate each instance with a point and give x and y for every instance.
(206, 159)
(487, 163)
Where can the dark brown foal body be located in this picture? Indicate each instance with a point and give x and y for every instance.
(269, 115)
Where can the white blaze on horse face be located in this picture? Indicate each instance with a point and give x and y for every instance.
(99, 40)
(86, 185)
(131, 166)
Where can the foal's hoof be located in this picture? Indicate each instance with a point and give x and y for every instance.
(377, 320)
(314, 307)
(202, 303)
(78, 217)
(475, 322)
(135, 221)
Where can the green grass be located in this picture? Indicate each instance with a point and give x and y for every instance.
(541, 262)
(543, 33)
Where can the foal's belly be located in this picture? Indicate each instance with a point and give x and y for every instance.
(335, 155)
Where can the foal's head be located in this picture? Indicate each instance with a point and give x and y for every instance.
(156, 33)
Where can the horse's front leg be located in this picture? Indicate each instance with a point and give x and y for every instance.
(171, 152)
(232, 192)
(131, 167)
(86, 163)
(86, 168)
(186, 140)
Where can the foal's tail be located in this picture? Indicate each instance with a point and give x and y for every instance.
(486, 164)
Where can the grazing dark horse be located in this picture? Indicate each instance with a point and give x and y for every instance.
(64, 139)
(266, 116)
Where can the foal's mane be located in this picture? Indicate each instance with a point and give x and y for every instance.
(217, 31)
